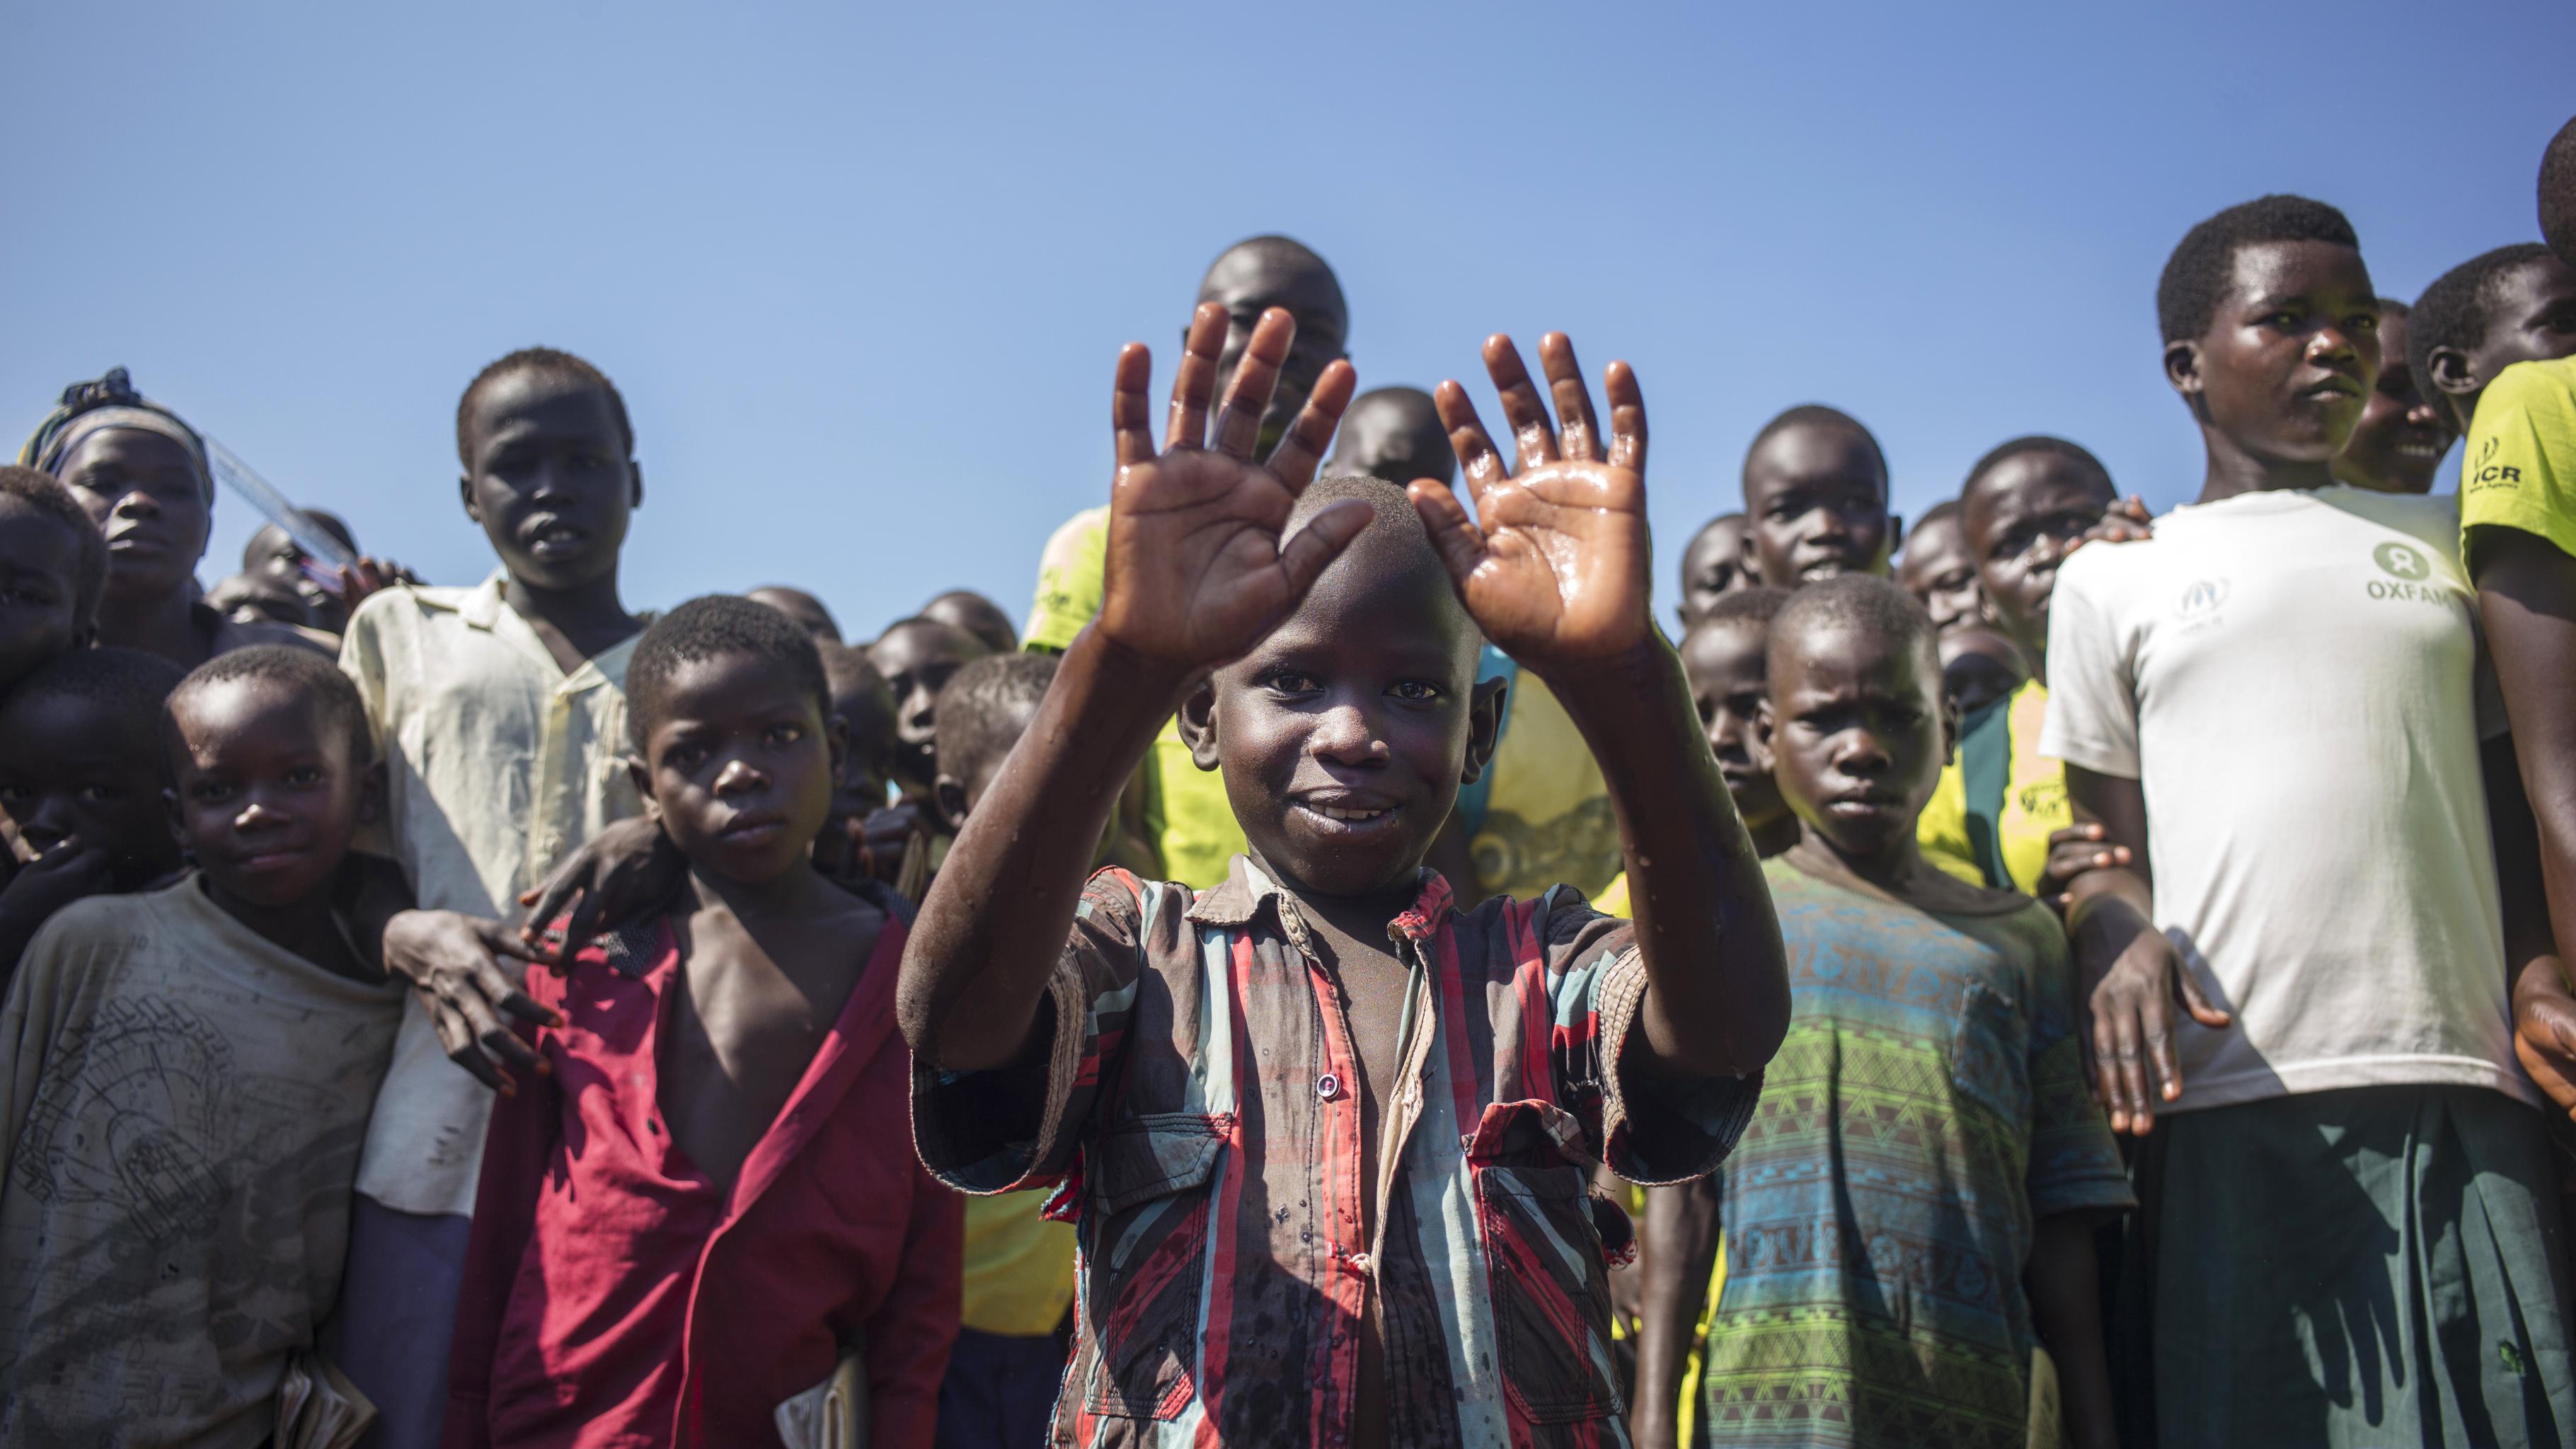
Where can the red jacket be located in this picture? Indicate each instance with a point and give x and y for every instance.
(613, 1295)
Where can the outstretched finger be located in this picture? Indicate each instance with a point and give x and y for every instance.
(1302, 448)
(1195, 382)
(1578, 435)
(1247, 397)
(1478, 460)
(1524, 411)
(1627, 418)
(1459, 542)
(456, 1036)
(1129, 412)
(1303, 558)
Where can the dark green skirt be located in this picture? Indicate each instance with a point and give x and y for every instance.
(2372, 1267)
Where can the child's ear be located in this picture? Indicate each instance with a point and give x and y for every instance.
(948, 795)
(836, 738)
(1759, 747)
(1745, 559)
(635, 474)
(1197, 723)
(2182, 368)
(1484, 727)
(1895, 532)
(642, 775)
(2454, 377)
(465, 494)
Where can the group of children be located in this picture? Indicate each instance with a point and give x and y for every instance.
(2062, 976)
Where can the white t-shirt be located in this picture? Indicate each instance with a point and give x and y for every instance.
(2296, 679)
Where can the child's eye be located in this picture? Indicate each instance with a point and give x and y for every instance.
(786, 734)
(1289, 681)
(97, 794)
(2363, 322)
(211, 792)
(304, 775)
(1415, 691)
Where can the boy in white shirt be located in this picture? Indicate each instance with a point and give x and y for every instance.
(2279, 705)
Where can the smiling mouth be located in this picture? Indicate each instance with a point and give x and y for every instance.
(1349, 814)
(2423, 449)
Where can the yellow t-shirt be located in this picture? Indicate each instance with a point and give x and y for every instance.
(2519, 468)
(1546, 815)
(1613, 900)
(1999, 800)
(1019, 1267)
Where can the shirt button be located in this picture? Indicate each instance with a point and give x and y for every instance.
(1328, 1087)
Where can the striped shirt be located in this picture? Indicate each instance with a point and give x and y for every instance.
(1199, 1116)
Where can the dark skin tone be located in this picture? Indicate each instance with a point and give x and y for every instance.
(149, 499)
(1393, 433)
(2527, 603)
(804, 608)
(1940, 573)
(1856, 733)
(1727, 662)
(864, 709)
(552, 485)
(268, 791)
(274, 557)
(1979, 666)
(918, 659)
(739, 769)
(2281, 374)
(1249, 280)
(79, 789)
(2398, 445)
(1202, 569)
(1713, 566)
(1815, 501)
(41, 615)
(976, 615)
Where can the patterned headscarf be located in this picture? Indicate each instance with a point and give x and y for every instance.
(110, 402)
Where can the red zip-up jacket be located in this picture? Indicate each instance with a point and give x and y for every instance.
(615, 1296)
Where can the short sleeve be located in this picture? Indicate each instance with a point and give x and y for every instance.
(2092, 682)
(1071, 577)
(2074, 1163)
(1016, 1127)
(1649, 1129)
(2518, 469)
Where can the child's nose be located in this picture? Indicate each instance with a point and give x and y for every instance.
(739, 776)
(1348, 736)
(138, 504)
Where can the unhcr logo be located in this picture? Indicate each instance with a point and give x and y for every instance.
(2202, 596)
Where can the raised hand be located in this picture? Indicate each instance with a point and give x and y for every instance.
(1554, 565)
(1196, 572)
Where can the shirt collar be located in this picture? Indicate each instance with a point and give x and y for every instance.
(1247, 888)
(482, 607)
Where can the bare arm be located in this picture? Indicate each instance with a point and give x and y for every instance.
(1680, 1254)
(2132, 974)
(2066, 1311)
(1554, 569)
(1196, 574)
(2527, 600)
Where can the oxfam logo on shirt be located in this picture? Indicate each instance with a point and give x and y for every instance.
(2409, 575)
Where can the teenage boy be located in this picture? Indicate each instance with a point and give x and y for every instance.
(917, 656)
(184, 1079)
(1911, 1212)
(279, 562)
(80, 786)
(1713, 566)
(1333, 1135)
(2000, 817)
(2517, 337)
(1937, 569)
(1815, 499)
(2350, 1190)
(2398, 445)
(503, 714)
(141, 474)
(707, 1197)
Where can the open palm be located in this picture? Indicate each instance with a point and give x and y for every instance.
(1554, 565)
(1196, 571)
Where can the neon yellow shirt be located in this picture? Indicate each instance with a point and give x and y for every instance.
(1019, 1267)
(2519, 468)
(1989, 820)
(1541, 816)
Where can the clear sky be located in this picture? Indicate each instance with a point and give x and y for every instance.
(861, 271)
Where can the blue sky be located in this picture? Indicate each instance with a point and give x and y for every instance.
(861, 271)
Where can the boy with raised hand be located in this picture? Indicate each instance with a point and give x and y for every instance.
(184, 1080)
(2498, 349)
(1816, 500)
(1911, 1212)
(503, 714)
(2354, 1226)
(1325, 1137)
(708, 1197)
(2000, 818)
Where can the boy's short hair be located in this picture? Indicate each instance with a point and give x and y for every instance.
(1817, 415)
(1945, 511)
(546, 362)
(714, 627)
(130, 687)
(1754, 604)
(2459, 309)
(2196, 275)
(983, 707)
(2558, 194)
(306, 672)
(2002, 453)
(1862, 602)
(43, 493)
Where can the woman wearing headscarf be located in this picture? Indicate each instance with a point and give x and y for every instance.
(142, 473)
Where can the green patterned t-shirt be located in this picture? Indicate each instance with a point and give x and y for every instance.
(1926, 1111)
